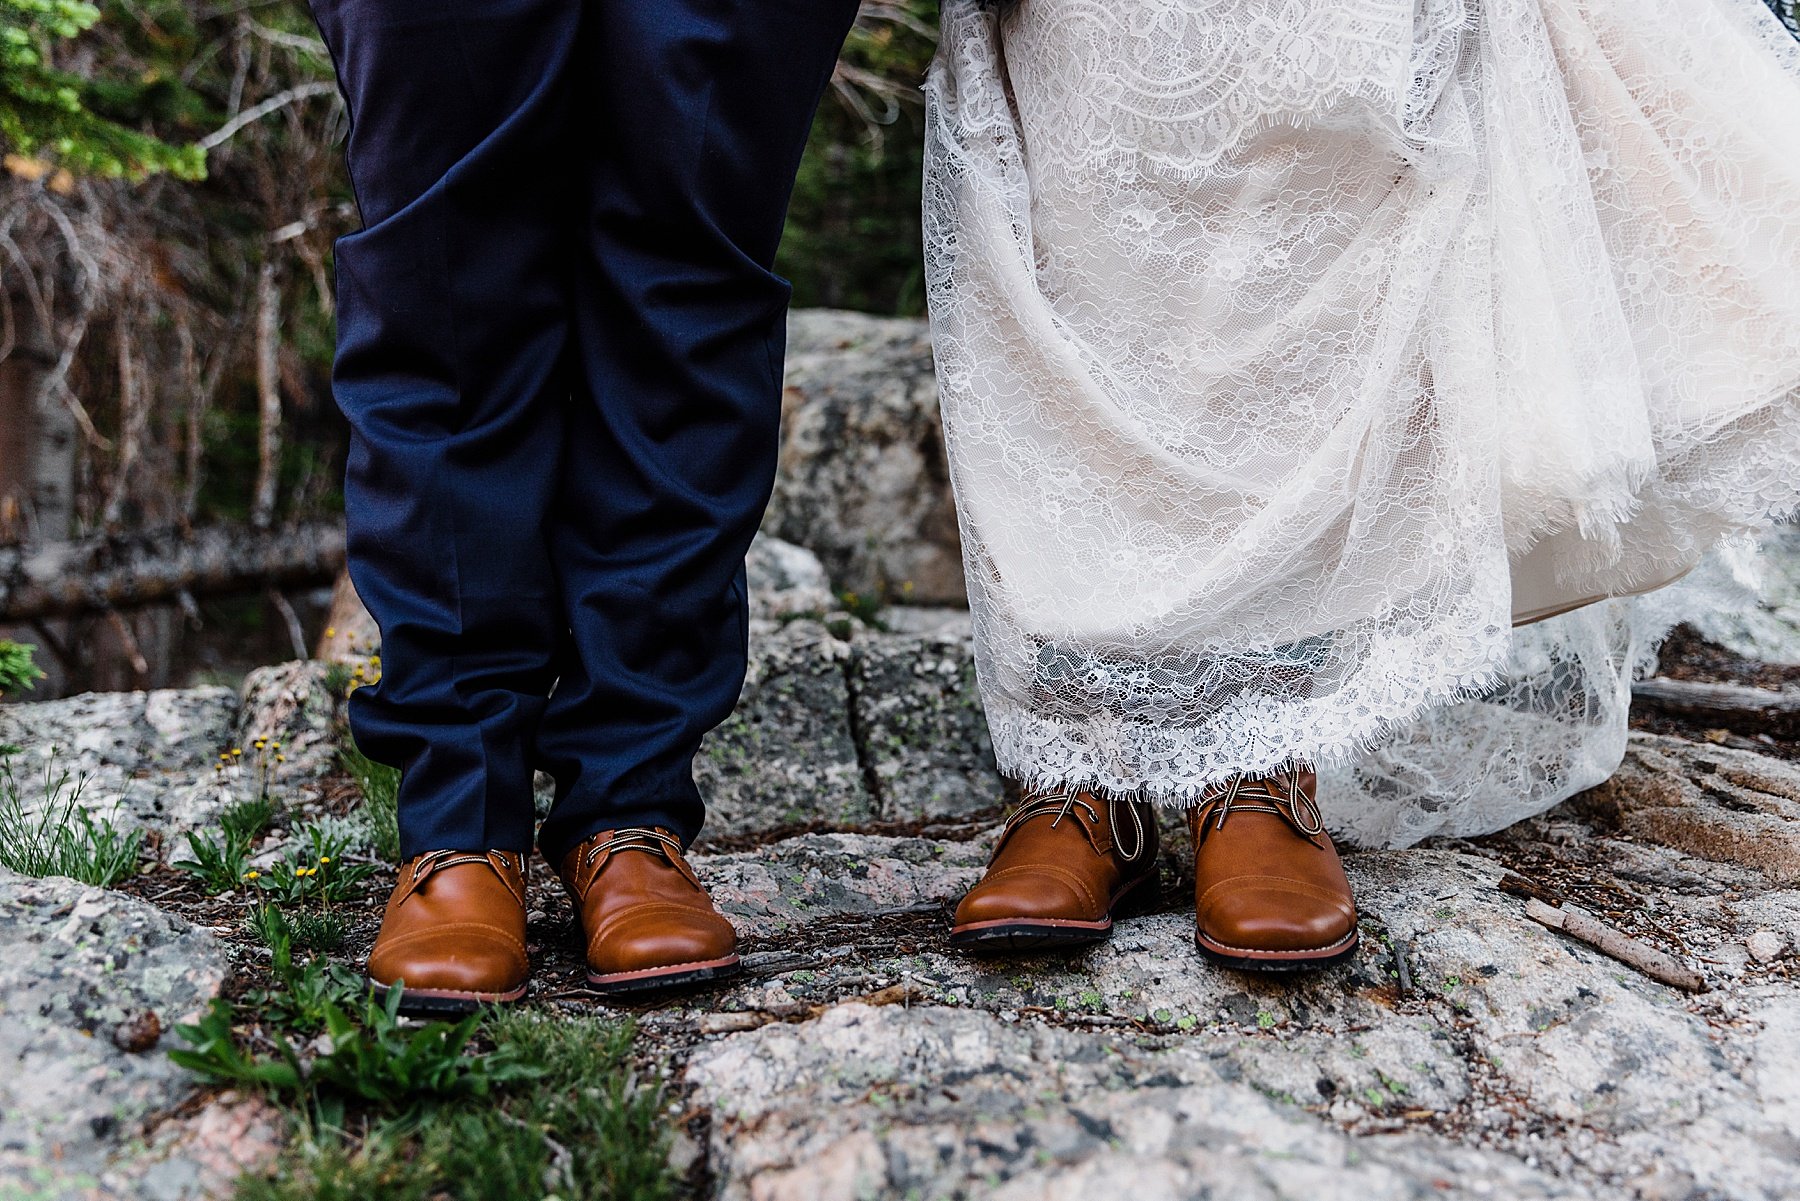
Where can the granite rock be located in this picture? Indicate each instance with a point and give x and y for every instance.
(863, 481)
(75, 964)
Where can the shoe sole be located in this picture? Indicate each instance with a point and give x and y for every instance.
(676, 978)
(1239, 959)
(441, 1002)
(1024, 936)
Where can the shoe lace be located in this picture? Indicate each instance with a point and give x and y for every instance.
(1061, 801)
(435, 861)
(638, 838)
(1278, 793)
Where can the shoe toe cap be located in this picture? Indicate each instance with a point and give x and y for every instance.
(466, 963)
(1024, 897)
(662, 940)
(1275, 919)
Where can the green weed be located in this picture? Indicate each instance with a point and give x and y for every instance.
(316, 869)
(374, 1057)
(247, 821)
(380, 809)
(60, 837)
(587, 1129)
(217, 865)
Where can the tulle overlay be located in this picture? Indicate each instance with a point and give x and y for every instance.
(1289, 349)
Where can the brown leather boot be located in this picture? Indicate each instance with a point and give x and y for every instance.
(453, 936)
(1065, 863)
(1269, 890)
(648, 922)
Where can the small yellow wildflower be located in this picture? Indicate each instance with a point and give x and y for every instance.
(281, 758)
(324, 858)
(331, 631)
(301, 872)
(253, 875)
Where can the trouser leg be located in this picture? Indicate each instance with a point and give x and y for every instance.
(702, 109)
(452, 330)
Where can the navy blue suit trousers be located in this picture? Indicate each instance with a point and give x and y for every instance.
(559, 350)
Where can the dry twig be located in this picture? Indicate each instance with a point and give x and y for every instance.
(1617, 944)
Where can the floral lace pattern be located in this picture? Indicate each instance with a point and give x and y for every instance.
(1277, 338)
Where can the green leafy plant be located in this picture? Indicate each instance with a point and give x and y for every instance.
(589, 1129)
(215, 1051)
(380, 811)
(222, 864)
(374, 1057)
(317, 870)
(219, 865)
(58, 836)
(54, 112)
(377, 1059)
(302, 992)
(18, 671)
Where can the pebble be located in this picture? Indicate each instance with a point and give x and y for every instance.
(1766, 946)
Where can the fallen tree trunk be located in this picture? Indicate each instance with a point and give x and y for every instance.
(1734, 706)
(107, 574)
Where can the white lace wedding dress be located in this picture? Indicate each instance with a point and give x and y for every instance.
(1290, 350)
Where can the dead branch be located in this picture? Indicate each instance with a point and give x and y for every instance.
(268, 388)
(128, 640)
(291, 620)
(257, 112)
(134, 415)
(1617, 944)
(97, 575)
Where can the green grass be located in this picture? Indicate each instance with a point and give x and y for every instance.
(248, 820)
(380, 810)
(585, 1128)
(61, 838)
(322, 931)
(373, 1057)
(383, 1108)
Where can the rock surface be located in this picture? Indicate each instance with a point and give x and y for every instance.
(76, 964)
(847, 731)
(1466, 1050)
(1769, 631)
(1514, 1058)
(164, 761)
(863, 482)
(146, 760)
(1723, 804)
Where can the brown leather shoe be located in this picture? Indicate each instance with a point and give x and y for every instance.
(453, 936)
(1269, 890)
(648, 922)
(1065, 864)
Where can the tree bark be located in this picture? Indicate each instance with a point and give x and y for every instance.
(350, 633)
(101, 575)
(38, 438)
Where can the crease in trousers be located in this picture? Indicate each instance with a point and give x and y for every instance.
(560, 342)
